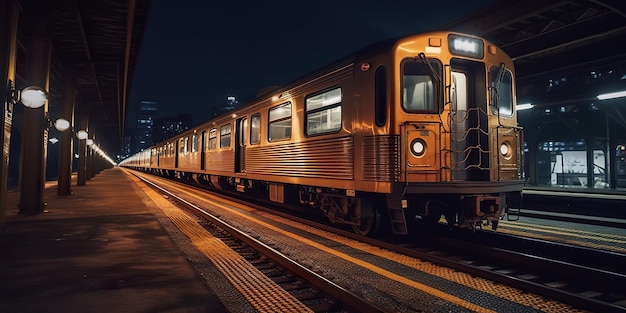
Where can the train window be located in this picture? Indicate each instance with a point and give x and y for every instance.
(459, 95)
(280, 122)
(419, 93)
(501, 83)
(225, 136)
(255, 129)
(212, 144)
(194, 143)
(323, 112)
(181, 146)
(243, 126)
(380, 96)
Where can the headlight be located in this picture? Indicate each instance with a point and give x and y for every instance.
(418, 147)
(505, 150)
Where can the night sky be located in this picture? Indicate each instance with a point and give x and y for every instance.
(196, 53)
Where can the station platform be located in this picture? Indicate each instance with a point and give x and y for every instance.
(607, 206)
(101, 249)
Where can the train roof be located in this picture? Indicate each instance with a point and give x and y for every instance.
(267, 92)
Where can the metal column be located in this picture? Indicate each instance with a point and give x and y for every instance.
(90, 175)
(35, 132)
(82, 153)
(8, 48)
(66, 147)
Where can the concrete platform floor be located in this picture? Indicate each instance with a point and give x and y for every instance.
(101, 249)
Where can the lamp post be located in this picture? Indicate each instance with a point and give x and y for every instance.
(89, 175)
(64, 182)
(66, 138)
(35, 133)
(34, 149)
(82, 154)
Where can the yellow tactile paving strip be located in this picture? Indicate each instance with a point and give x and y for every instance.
(577, 237)
(262, 293)
(505, 292)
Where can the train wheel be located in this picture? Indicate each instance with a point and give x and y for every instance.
(368, 226)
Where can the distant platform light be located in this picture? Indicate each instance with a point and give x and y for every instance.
(612, 95)
(81, 134)
(61, 124)
(33, 97)
(524, 106)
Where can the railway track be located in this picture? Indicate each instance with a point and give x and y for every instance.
(584, 278)
(314, 291)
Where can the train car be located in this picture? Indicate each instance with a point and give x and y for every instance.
(406, 131)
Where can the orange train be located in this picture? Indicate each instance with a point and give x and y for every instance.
(405, 131)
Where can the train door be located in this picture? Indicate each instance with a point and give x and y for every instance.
(468, 122)
(458, 118)
(176, 153)
(203, 150)
(240, 146)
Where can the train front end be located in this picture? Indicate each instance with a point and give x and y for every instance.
(454, 114)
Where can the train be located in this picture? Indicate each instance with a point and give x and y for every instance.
(412, 131)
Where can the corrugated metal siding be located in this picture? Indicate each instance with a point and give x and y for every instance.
(220, 161)
(381, 158)
(189, 161)
(325, 158)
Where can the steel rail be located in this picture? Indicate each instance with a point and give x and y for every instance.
(346, 297)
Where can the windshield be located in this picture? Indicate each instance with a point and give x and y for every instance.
(419, 90)
(501, 85)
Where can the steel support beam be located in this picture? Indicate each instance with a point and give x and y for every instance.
(66, 138)
(8, 48)
(35, 132)
(82, 153)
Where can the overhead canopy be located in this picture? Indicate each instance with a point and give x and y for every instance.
(565, 52)
(100, 40)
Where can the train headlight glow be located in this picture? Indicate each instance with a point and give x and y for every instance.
(505, 150)
(466, 46)
(418, 147)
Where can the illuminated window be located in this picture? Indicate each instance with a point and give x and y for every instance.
(323, 112)
(212, 144)
(280, 122)
(225, 136)
(459, 96)
(181, 146)
(255, 129)
(194, 143)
